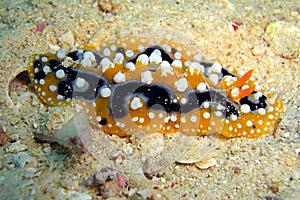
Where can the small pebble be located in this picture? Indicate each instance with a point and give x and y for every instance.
(297, 150)
(15, 147)
(54, 47)
(68, 38)
(283, 38)
(290, 162)
(286, 134)
(258, 51)
(205, 164)
(237, 170)
(297, 173)
(4, 138)
(77, 195)
(193, 154)
(23, 158)
(2, 178)
(40, 27)
(106, 6)
(110, 182)
(146, 194)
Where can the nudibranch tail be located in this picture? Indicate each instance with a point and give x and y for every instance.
(134, 84)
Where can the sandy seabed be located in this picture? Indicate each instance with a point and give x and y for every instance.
(230, 32)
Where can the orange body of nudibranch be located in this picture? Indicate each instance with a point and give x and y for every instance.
(135, 85)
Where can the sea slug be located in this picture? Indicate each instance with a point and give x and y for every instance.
(135, 84)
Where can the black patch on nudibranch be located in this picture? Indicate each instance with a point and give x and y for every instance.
(65, 89)
(206, 64)
(75, 55)
(54, 65)
(39, 75)
(161, 97)
(103, 122)
(94, 82)
(71, 73)
(120, 50)
(121, 93)
(195, 99)
(230, 110)
(156, 96)
(225, 72)
(37, 64)
(255, 106)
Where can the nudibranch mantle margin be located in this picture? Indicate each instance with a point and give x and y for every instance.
(135, 84)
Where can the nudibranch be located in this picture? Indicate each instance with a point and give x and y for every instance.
(139, 85)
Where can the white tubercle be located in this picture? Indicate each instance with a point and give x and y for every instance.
(80, 82)
(144, 59)
(181, 85)
(136, 103)
(216, 68)
(146, 77)
(155, 58)
(166, 68)
(201, 87)
(119, 77)
(130, 66)
(88, 59)
(106, 64)
(119, 58)
(60, 74)
(105, 92)
(245, 108)
(177, 63)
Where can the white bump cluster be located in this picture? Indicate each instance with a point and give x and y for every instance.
(46, 69)
(216, 68)
(206, 115)
(61, 54)
(119, 58)
(235, 92)
(106, 52)
(201, 87)
(155, 57)
(130, 66)
(245, 108)
(195, 66)
(88, 59)
(214, 78)
(146, 77)
(136, 103)
(144, 59)
(177, 63)
(105, 92)
(52, 88)
(106, 64)
(181, 85)
(60, 74)
(165, 68)
(129, 53)
(80, 82)
(119, 77)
